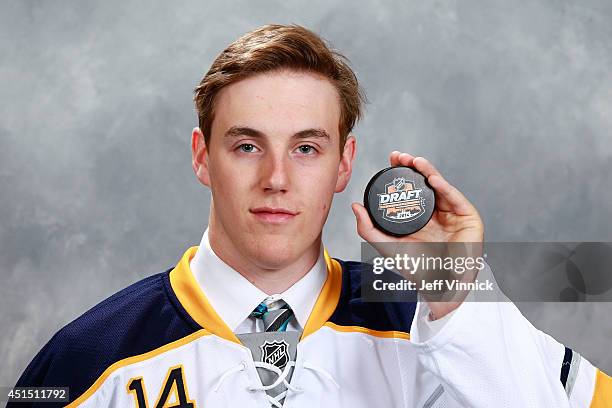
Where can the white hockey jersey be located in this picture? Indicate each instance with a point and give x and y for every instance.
(159, 343)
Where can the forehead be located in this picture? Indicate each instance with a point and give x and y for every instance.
(279, 102)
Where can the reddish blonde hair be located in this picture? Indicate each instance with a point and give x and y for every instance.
(275, 47)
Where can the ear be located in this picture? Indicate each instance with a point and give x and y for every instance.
(345, 167)
(199, 156)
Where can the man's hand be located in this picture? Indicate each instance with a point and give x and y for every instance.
(454, 219)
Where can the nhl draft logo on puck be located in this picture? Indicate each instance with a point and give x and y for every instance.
(399, 200)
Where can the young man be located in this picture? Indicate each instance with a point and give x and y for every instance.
(260, 315)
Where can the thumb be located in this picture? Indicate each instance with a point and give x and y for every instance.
(365, 228)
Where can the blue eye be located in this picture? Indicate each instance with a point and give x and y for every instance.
(306, 149)
(247, 148)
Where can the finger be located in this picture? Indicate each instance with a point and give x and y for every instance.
(400, 159)
(448, 197)
(425, 167)
(393, 157)
(365, 228)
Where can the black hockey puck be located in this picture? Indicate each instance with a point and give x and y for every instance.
(399, 200)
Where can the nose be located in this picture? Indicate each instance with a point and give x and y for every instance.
(275, 172)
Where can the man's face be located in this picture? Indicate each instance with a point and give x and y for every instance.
(273, 164)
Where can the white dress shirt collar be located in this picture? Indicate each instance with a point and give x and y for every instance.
(233, 297)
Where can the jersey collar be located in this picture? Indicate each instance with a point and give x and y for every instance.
(196, 303)
(234, 297)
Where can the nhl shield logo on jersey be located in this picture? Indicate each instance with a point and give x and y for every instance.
(401, 202)
(275, 352)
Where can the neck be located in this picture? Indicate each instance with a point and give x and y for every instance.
(270, 280)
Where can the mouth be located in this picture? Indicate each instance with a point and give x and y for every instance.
(273, 215)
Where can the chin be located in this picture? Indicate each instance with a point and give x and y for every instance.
(273, 253)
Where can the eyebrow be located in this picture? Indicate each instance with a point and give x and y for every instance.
(236, 131)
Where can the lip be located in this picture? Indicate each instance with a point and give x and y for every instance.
(273, 215)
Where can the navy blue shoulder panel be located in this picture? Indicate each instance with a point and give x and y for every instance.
(140, 318)
(353, 311)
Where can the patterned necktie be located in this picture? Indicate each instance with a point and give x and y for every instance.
(275, 316)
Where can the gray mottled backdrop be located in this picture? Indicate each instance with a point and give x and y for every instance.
(511, 99)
